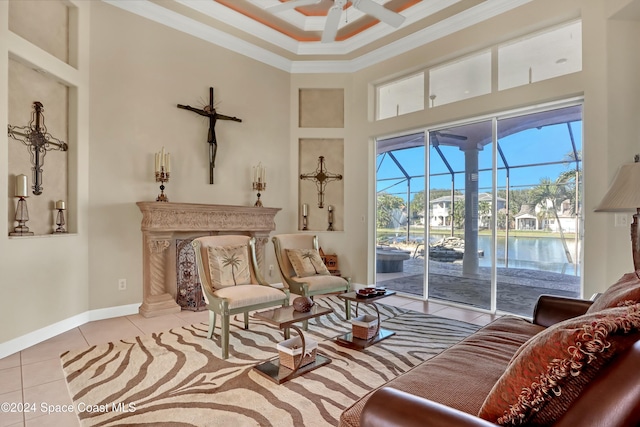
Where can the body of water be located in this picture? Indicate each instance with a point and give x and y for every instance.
(534, 253)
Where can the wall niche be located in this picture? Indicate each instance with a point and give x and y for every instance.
(48, 31)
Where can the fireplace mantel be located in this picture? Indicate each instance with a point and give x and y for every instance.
(163, 222)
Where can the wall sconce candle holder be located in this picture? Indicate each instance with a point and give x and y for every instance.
(163, 172)
(60, 206)
(259, 182)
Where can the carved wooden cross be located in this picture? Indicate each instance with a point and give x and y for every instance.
(210, 112)
(38, 141)
(321, 178)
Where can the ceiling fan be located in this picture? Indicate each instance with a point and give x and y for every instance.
(333, 17)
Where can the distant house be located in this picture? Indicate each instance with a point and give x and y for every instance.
(528, 218)
(568, 219)
(441, 212)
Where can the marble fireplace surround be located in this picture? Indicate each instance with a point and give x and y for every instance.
(164, 222)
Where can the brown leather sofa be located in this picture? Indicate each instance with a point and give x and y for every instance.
(450, 388)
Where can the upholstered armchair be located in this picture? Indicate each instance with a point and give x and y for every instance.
(232, 283)
(302, 268)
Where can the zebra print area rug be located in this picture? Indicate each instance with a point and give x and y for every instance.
(176, 377)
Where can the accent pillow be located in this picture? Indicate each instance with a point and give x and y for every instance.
(552, 368)
(229, 266)
(626, 289)
(307, 262)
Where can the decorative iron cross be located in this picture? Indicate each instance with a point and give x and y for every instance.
(38, 141)
(321, 178)
(210, 112)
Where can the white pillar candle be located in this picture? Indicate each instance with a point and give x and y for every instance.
(157, 162)
(168, 163)
(21, 186)
(162, 164)
(60, 204)
(304, 209)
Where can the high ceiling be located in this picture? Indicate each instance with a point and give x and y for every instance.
(290, 39)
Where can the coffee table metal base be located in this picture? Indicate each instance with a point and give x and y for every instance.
(348, 340)
(280, 374)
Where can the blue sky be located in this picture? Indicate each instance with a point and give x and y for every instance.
(532, 146)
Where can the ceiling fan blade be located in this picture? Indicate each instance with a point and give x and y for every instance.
(331, 25)
(290, 5)
(379, 12)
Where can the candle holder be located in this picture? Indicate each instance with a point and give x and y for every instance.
(60, 217)
(259, 182)
(22, 216)
(305, 212)
(162, 177)
(259, 186)
(330, 209)
(163, 169)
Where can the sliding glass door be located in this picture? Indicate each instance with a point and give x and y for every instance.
(460, 215)
(400, 214)
(498, 218)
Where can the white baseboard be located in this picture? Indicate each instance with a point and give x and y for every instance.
(32, 338)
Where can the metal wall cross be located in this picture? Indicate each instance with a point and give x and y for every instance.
(210, 112)
(38, 141)
(321, 178)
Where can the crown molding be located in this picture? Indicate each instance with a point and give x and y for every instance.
(163, 16)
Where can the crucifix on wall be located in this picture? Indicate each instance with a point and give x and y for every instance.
(38, 141)
(321, 178)
(210, 112)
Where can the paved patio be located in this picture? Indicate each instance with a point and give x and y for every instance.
(518, 289)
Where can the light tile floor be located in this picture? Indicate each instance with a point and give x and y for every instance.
(33, 377)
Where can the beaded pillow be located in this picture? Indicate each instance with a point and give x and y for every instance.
(552, 368)
(229, 266)
(307, 262)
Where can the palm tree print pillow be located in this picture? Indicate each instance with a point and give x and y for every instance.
(229, 266)
(307, 262)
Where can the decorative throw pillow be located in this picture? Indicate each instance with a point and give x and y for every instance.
(307, 262)
(625, 291)
(229, 266)
(551, 369)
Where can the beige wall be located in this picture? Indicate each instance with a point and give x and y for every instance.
(138, 76)
(44, 279)
(142, 70)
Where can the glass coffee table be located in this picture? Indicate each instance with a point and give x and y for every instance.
(348, 340)
(284, 318)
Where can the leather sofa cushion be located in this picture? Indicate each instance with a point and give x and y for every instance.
(462, 376)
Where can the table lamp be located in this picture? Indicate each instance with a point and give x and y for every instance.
(624, 195)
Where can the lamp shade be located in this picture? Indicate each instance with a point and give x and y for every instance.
(624, 193)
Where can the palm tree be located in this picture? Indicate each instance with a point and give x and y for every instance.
(554, 192)
(309, 255)
(233, 261)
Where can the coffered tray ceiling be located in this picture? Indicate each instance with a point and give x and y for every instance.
(290, 39)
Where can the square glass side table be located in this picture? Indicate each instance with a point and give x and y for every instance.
(284, 318)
